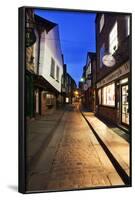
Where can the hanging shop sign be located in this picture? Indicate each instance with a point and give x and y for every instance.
(108, 60)
(85, 87)
(124, 69)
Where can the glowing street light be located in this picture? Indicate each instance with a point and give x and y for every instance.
(82, 79)
(76, 93)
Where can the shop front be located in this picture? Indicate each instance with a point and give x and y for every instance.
(113, 96)
(123, 101)
(124, 104)
(44, 95)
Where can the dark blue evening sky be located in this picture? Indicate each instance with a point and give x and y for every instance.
(77, 37)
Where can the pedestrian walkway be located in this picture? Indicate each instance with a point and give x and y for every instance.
(39, 132)
(118, 146)
(73, 159)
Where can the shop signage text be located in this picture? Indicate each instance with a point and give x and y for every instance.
(124, 69)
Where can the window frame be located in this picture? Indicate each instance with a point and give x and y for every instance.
(102, 95)
(102, 22)
(115, 38)
(57, 73)
(52, 70)
(127, 25)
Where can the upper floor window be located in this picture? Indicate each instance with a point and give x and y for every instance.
(88, 70)
(102, 52)
(90, 67)
(113, 39)
(52, 72)
(127, 25)
(102, 20)
(57, 73)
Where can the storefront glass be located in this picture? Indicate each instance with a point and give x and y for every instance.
(99, 96)
(108, 95)
(50, 99)
(125, 111)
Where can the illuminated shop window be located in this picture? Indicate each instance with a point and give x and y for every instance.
(125, 80)
(50, 99)
(108, 95)
(102, 21)
(99, 96)
(125, 105)
(67, 100)
(127, 25)
(113, 39)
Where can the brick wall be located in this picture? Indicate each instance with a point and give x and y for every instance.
(108, 113)
(43, 103)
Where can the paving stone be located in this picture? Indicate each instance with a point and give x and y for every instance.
(118, 146)
(78, 160)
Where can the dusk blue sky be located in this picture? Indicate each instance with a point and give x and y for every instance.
(77, 37)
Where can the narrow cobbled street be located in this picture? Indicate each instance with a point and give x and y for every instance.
(77, 119)
(72, 159)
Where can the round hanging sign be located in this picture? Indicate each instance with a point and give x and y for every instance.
(108, 60)
(85, 87)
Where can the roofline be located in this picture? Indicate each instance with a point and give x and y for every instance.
(41, 19)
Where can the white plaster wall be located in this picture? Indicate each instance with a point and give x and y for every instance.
(50, 48)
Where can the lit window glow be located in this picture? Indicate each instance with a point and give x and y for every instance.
(113, 39)
(102, 20)
(127, 26)
(108, 97)
(67, 100)
(99, 96)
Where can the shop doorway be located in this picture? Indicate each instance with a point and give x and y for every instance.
(124, 105)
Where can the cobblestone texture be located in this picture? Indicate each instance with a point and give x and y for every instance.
(77, 163)
(73, 159)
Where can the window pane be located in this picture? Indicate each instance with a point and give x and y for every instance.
(57, 74)
(113, 39)
(102, 22)
(109, 95)
(128, 25)
(99, 96)
(52, 73)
